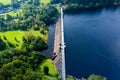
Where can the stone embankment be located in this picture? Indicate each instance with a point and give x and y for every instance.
(56, 56)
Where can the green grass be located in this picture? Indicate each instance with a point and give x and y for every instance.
(45, 1)
(19, 12)
(52, 69)
(5, 2)
(11, 35)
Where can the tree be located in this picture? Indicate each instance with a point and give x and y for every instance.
(10, 44)
(14, 69)
(46, 70)
(36, 2)
(4, 38)
(2, 44)
(36, 27)
(33, 75)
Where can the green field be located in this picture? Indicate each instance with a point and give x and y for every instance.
(45, 1)
(52, 69)
(5, 2)
(19, 12)
(11, 35)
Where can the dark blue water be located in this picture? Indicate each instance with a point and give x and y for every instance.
(50, 42)
(93, 43)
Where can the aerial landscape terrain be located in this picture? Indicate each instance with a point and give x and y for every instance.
(59, 39)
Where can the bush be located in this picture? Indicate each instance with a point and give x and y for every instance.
(4, 38)
(2, 45)
(10, 44)
(43, 32)
(16, 40)
(46, 70)
(36, 27)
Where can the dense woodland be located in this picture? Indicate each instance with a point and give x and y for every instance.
(31, 17)
(24, 63)
(93, 1)
(80, 5)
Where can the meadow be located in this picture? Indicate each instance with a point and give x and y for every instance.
(15, 37)
(45, 1)
(5, 2)
(52, 69)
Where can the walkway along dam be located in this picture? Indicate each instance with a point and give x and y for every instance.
(59, 47)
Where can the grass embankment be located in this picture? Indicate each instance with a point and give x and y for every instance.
(14, 14)
(45, 1)
(15, 37)
(52, 70)
(5, 2)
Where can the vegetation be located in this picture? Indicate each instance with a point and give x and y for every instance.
(5, 2)
(2, 44)
(47, 64)
(70, 77)
(23, 37)
(95, 77)
(51, 71)
(21, 64)
(74, 6)
(39, 16)
(15, 14)
(91, 77)
(16, 37)
(45, 1)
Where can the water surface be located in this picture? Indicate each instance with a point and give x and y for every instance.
(93, 43)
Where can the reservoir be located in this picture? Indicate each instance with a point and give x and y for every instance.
(93, 43)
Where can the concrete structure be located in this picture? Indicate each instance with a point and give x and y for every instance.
(59, 47)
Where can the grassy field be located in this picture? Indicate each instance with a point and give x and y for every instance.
(19, 12)
(5, 2)
(45, 1)
(11, 35)
(52, 69)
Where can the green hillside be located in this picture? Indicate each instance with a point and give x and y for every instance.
(14, 14)
(5, 2)
(45, 1)
(23, 38)
(52, 70)
(15, 37)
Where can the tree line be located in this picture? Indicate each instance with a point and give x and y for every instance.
(31, 17)
(24, 63)
(18, 64)
(73, 6)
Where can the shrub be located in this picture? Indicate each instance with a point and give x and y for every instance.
(46, 70)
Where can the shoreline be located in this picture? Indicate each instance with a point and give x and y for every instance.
(68, 9)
